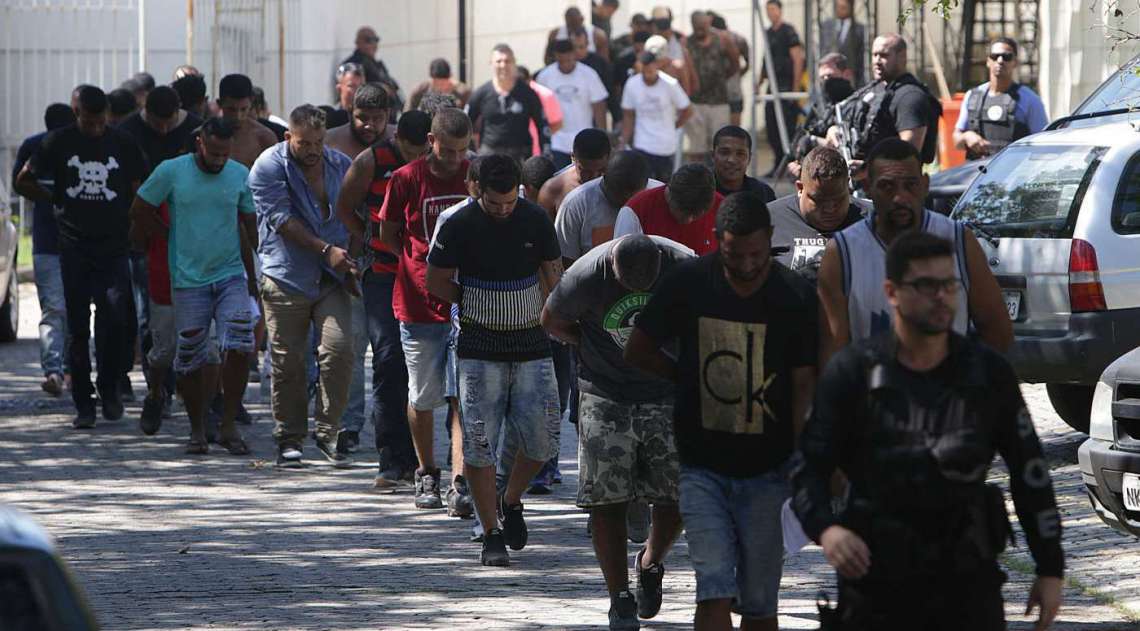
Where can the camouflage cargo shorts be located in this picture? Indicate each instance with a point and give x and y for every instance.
(625, 452)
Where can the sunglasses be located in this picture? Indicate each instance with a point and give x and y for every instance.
(370, 40)
(1007, 57)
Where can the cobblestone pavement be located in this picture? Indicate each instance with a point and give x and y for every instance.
(165, 541)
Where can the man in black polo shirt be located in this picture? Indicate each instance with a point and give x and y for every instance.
(503, 108)
(90, 171)
(746, 328)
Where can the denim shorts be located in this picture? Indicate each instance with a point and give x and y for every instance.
(429, 352)
(227, 305)
(521, 394)
(164, 339)
(735, 537)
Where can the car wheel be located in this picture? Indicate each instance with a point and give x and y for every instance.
(10, 310)
(1072, 402)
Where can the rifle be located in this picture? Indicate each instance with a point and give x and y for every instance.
(847, 135)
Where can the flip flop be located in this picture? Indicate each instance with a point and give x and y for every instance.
(197, 447)
(236, 447)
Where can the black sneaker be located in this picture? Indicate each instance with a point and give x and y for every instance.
(459, 502)
(243, 417)
(623, 612)
(494, 549)
(112, 407)
(126, 390)
(348, 440)
(84, 420)
(331, 450)
(514, 527)
(648, 587)
(427, 489)
(151, 418)
(388, 480)
(289, 457)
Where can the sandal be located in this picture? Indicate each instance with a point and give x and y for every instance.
(236, 446)
(197, 447)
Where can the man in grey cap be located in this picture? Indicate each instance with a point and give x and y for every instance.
(626, 449)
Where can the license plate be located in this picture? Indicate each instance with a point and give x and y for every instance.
(1012, 303)
(1131, 490)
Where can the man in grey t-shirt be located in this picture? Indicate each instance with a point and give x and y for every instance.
(804, 221)
(587, 214)
(625, 448)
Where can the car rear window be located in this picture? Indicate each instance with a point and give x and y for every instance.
(1120, 90)
(1030, 191)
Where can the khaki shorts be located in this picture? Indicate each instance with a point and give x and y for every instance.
(625, 452)
(704, 124)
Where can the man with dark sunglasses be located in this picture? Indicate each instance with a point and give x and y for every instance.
(914, 417)
(1000, 110)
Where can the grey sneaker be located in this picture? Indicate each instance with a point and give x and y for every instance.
(459, 502)
(427, 489)
(339, 458)
(623, 612)
(389, 480)
(648, 587)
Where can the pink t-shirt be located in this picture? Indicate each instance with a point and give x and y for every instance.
(550, 109)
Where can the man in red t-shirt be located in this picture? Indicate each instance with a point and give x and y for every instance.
(684, 211)
(417, 193)
(365, 187)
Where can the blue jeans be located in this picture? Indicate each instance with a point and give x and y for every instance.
(228, 305)
(736, 540)
(429, 353)
(353, 419)
(53, 314)
(106, 281)
(566, 376)
(140, 291)
(521, 394)
(389, 376)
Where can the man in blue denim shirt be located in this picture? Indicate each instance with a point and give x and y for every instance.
(307, 278)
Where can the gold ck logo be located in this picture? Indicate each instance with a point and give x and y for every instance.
(733, 383)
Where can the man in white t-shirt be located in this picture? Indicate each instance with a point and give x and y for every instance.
(654, 107)
(581, 95)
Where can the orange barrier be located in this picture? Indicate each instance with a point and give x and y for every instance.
(948, 156)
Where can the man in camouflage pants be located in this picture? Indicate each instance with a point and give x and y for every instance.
(625, 449)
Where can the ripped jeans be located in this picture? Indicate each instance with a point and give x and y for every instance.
(228, 305)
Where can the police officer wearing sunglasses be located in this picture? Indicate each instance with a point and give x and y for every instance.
(1001, 110)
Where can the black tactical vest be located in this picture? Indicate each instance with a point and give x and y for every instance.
(869, 109)
(992, 117)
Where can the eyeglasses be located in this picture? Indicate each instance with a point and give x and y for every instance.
(370, 40)
(931, 287)
(1007, 57)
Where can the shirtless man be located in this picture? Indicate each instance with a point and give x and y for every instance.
(588, 160)
(235, 99)
(369, 122)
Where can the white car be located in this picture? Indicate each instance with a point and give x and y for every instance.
(9, 284)
(1110, 458)
(1058, 216)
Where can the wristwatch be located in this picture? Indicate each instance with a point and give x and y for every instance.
(325, 250)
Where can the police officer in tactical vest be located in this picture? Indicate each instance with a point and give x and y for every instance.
(914, 417)
(1001, 110)
(895, 104)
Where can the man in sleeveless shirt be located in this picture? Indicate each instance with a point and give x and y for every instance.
(715, 59)
(853, 267)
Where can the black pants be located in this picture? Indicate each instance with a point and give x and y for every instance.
(106, 281)
(950, 602)
(660, 167)
(772, 129)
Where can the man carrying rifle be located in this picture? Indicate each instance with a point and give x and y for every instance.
(833, 84)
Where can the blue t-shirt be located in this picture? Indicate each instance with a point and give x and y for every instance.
(205, 246)
(1029, 110)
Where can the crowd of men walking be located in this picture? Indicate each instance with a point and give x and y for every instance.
(735, 365)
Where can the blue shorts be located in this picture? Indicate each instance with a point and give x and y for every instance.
(227, 305)
(522, 394)
(429, 352)
(735, 537)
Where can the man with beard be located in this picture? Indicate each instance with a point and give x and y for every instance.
(745, 326)
(851, 273)
(235, 100)
(914, 417)
(731, 155)
(588, 159)
(206, 194)
(833, 84)
(307, 278)
(821, 206)
(369, 122)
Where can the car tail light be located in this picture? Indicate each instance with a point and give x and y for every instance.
(1085, 290)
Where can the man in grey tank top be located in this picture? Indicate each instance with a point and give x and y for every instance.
(852, 272)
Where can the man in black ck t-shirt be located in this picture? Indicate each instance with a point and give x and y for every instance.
(746, 328)
(90, 172)
(503, 108)
(498, 259)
